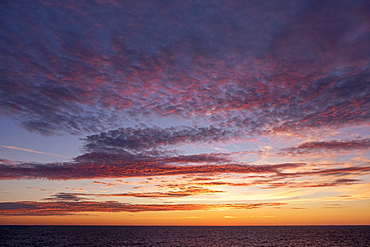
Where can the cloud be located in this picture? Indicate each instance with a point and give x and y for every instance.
(270, 182)
(65, 197)
(112, 165)
(119, 158)
(34, 151)
(6, 162)
(144, 138)
(40, 189)
(220, 183)
(333, 171)
(336, 182)
(333, 205)
(184, 192)
(95, 165)
(258, 66)
(106, 184)
(61, 208)
(325, 146)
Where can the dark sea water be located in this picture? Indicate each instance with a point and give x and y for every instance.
(185, 236)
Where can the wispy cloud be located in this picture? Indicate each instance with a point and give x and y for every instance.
(272, 182)
(34, 151)
(184, 192)
(324, 146)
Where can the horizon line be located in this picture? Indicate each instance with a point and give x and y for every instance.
(189, 225)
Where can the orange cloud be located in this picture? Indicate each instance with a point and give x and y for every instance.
(67, 207)
(189, 191)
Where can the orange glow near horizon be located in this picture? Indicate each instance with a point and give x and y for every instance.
(257, 217)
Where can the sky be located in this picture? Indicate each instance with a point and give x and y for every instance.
(192, 112)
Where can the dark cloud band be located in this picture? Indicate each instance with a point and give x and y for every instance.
(334, 145)
(61, 208)
(120, 168)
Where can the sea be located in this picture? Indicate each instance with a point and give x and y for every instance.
(213, 236)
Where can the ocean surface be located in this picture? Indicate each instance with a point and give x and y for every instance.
(185, 236)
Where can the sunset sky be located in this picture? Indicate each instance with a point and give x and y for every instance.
(185, 112)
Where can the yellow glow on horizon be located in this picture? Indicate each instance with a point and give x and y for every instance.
(348, 213)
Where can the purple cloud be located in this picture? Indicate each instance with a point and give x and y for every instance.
(100, 165)
(65, 197)
(182, 192)
(143, 139)
(103, 165)
(258, 66)
(333, 145)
